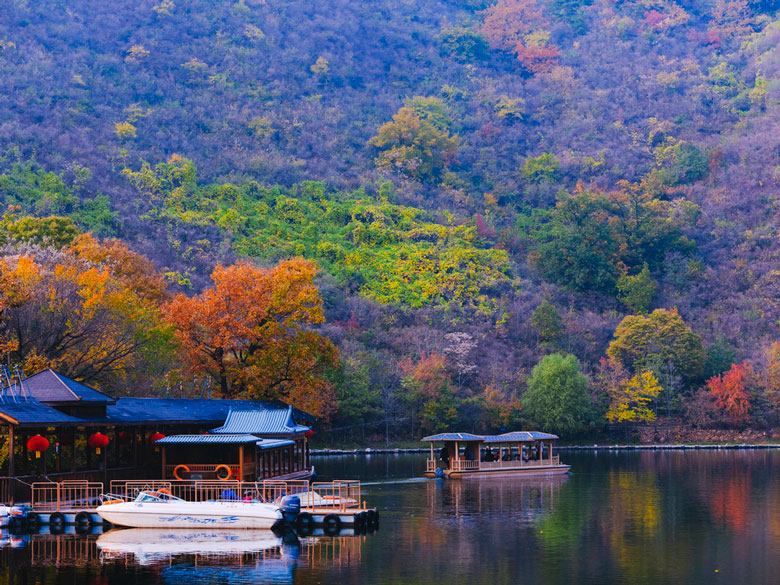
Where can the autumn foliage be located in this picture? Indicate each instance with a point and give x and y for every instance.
(81, 317)
(251, 333)
(730, 394)
(518, 26)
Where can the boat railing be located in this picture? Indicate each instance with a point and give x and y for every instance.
(463, 464)
(434, 464)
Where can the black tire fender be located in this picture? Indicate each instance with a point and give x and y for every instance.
(332, 524)
(33, 521)
(57, 523)
(83, 518)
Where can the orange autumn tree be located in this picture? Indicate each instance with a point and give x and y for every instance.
(251, 333)
(520, 27)
(730, 394)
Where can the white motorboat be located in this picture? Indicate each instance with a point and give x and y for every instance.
(153, 544)
(159, 509)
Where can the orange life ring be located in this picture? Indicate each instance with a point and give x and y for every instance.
(226, 468)
(180, 468)
(165, 491)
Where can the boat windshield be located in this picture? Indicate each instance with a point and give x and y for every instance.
(156, 496)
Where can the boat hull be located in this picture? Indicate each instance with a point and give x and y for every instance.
(191, 515)
(510, 472)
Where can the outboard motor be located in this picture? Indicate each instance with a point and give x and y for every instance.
(290, 507)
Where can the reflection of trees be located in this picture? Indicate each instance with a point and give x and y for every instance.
(729, 501)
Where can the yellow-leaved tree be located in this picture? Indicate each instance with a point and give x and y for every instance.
(630, 401)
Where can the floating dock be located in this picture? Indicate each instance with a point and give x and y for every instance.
(327, 506)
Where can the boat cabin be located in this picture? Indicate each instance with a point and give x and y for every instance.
(517, 452)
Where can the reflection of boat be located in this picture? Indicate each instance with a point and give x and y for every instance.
(151, 544)
(511, 454)
(159, 509)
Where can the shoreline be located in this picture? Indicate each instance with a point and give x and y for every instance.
(616, 447)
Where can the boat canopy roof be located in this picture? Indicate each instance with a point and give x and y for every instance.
(511, 437)
(519, 437)
(454, 437)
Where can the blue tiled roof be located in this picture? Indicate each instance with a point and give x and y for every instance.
(224, 440)
(273, 443)
(269, 421)
(30, 411)
(198, 410)
(518, 436)
(49, 386)
(207, 440)
(454, 437)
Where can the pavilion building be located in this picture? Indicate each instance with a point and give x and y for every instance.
(145, 438)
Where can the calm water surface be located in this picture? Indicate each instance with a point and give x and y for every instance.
(633, 518)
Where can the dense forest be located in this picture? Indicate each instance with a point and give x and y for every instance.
(403, 216)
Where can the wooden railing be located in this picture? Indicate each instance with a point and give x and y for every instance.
(463, 465)
(66, 495)
(515, 463)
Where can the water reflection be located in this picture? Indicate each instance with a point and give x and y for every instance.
(148, 545)
(620, 518)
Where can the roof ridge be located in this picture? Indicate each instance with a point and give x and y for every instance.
(61, 381)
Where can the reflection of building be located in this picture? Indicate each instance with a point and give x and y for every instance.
(248, 438)
(201, 556)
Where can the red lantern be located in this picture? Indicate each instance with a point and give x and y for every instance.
(156, 437)
(308, 433)
(37, 444)
(98, 441)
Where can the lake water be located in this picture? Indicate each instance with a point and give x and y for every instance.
(688, 517)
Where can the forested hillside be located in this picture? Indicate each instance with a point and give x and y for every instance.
(492, 213)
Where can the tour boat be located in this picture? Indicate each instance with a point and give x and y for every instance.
(511, 454)
(159, 509)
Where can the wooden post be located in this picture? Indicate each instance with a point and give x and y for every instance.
(549, 448)
(240, 463)
(11, 446)
(432, 451)
(73, 450)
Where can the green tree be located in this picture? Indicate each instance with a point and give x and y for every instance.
(547, 321)
(48, 231)
(542, 168)
(557, 398)
(576, 247)
(636, 292)
(720, 356)
(464, 44)
(642, 341)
